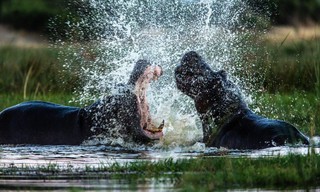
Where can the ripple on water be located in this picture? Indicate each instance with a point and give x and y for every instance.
(82, 156)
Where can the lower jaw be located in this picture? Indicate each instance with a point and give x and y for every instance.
(153, 135)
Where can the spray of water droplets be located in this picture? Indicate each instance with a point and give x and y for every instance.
(110, 36)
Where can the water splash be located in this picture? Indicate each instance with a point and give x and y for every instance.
(110, 36)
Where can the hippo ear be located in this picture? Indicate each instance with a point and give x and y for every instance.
(191, 58)
(223, 74)
(218, 79)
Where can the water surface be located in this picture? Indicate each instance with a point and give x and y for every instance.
(94, 156)
(73, 163)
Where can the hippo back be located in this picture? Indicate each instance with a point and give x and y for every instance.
(38, 122)
(250, 131)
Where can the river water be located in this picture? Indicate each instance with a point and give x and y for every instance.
(75, 159)
(82, 156)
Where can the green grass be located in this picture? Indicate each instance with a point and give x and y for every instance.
(301, 109)
(281, 172)
(289, 66)
(317, 75)
(33, 71)
(7, 100)
(285, 67)
(28, 70)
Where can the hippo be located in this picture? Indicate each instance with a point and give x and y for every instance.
(226, 118)
(124, 114)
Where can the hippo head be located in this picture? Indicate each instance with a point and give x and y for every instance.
(126, 113)
(196, 79)
(216, 98)
(143, 73)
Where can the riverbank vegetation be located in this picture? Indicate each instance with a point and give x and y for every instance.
(286, 67)
(200, 174)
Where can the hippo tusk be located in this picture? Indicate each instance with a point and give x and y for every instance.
(156, 129)
(161, 125)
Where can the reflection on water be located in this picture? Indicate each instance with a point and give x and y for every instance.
(87, 184)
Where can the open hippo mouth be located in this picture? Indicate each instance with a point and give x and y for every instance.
(148, 74)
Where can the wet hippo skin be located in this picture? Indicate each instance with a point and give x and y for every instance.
(37, 122)
(126, 113)
(226, 119)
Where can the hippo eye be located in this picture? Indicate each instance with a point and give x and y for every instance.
(223, 74)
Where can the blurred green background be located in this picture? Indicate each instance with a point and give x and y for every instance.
(30, 15)
(35, 14)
